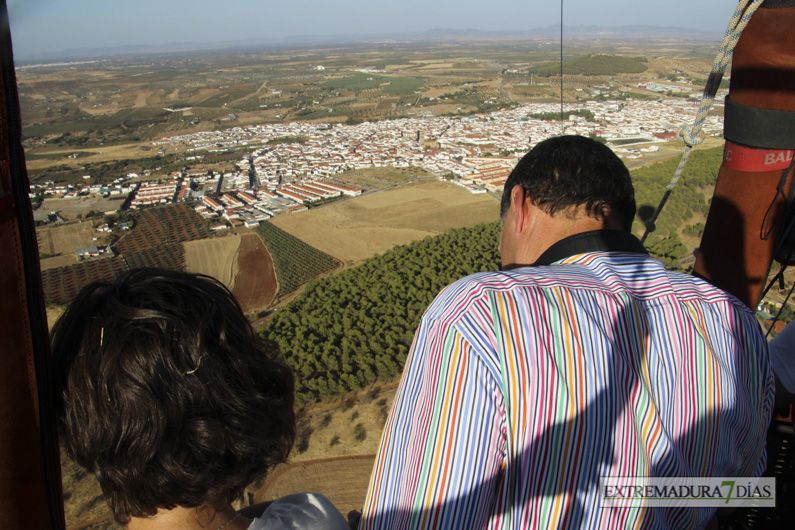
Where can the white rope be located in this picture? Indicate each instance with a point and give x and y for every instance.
(742, 15)
(691, 136)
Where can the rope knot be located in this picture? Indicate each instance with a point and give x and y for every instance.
(689, 137)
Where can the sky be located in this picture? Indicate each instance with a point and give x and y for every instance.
(44, 26)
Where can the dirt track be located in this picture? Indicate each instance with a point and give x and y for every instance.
(255, 284)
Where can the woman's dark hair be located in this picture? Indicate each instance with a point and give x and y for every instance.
(570, 171)
(168, 396)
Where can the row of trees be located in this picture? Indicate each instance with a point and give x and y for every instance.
(296, 262)
(557, 116)
(352, 328)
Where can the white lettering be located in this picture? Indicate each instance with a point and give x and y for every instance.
(780, 157)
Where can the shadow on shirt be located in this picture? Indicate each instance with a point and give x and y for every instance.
(568, 458)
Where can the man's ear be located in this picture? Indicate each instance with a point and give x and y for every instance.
(611, 219)
(518, 203)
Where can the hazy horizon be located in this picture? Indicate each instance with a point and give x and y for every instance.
(45, 27)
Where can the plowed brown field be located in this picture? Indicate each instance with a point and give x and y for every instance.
(255, 284)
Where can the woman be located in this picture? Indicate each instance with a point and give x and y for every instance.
(175, 405)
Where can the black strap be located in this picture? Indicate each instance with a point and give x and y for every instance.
(760, 128)
(775, 4)
(593, 241)
(768, 227)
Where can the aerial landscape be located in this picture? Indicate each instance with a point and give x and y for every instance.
(304, 174)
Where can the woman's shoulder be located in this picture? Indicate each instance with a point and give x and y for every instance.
(307, 511)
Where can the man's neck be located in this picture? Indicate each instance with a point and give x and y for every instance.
(529, 230)
(553, 230)
(201, 518)
(592, 241)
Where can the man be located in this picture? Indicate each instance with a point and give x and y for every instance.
(583, 359)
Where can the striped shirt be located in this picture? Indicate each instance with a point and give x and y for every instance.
(524, 387)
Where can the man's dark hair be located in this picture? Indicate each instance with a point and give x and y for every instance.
(168, 395)
(568, 171)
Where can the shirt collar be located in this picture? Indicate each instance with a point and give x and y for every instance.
(593, 241)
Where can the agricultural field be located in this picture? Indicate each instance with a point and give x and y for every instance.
(216, 257)
(155, 241)
(295, 261)
(168, 224)
(255, 282)
(64, 260)
(241, 262)
(356, 229)
(380, 178)
(65, 239)
(599, 64)
(62, 284)
(388, 84)
(170, 256)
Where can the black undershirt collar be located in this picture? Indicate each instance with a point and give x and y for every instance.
(593, 241)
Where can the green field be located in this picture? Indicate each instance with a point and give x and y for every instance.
(595, 64)
(366, 81)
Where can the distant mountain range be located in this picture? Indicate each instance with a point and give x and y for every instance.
(432, 35)
(575, 32)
